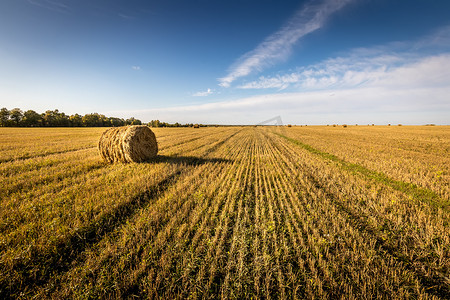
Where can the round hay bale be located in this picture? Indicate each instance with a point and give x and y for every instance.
(134, 143)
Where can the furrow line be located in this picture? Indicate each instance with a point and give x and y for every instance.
(15, 159)
(58, 258)
(219, 249)
(156, 239)
(273, 282)
(211, 222)
(187, 237)
(418, 193)
(237, 239)
(358, 222)
(301, 212)
(283, 192)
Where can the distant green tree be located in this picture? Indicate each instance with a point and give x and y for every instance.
(4, 116)
(116, 122)
(62, 120)
(76, 120)
(133, 121)
(90, 120)
(49, 117)
(16, 115)
(105, 120)
(94, 120)
(155, 123)
(31, 118)
(55, 118)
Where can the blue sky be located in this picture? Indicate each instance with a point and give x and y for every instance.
(230, 62)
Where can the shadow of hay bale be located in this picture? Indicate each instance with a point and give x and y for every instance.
(185, 160)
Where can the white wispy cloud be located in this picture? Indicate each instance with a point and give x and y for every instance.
(278, 46)
(412, 93)
(365, 66)
(54, 5)
(340, 72)
(125, 16)
(440, 39)
(403, 82)
(136, 68)
(203, 94)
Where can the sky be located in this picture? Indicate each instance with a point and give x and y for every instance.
(229, 62)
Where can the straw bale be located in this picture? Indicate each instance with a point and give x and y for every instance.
(134, 143)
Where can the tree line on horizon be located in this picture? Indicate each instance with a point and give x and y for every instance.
(158, 123)
(54, 118)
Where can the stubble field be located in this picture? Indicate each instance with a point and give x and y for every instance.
(228, 212)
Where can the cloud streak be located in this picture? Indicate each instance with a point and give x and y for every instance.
(203, 94)
(364, 66)
(337, 73)
(415, 92)
(278, 46)
(51, 5)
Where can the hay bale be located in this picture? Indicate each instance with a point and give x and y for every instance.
(289, 125)
(134, 143)
(196, 126)
(345, 125)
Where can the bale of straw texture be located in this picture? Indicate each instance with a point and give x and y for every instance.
(134, 143)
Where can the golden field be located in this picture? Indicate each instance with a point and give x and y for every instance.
(228, 212)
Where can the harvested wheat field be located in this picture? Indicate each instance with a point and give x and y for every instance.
(228, 212)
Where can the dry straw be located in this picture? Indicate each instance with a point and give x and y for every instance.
(135, 143)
